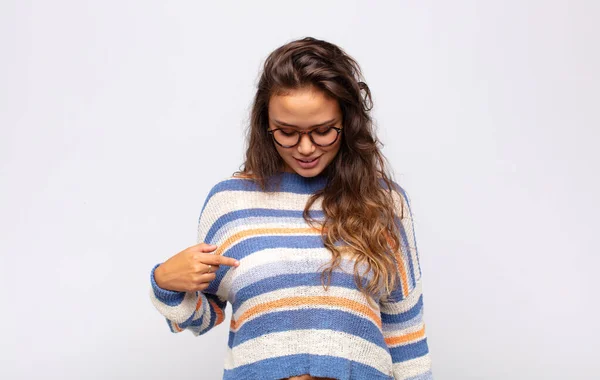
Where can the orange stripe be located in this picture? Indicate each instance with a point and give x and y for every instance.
(308, 300)
(218, 311)
(400, 266)
(405, 338)
(176, 327)
(403, 275)
(262, 231)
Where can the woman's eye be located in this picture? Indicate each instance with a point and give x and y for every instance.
(288, 132)
(323, 131)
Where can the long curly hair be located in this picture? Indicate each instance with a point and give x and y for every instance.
(357, 200)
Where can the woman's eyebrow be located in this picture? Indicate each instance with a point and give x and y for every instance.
(295, 126)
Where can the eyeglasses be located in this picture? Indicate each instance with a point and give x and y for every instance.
(288, 138)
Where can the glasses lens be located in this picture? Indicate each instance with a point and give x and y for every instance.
(321, 136)
(324, 136)
(286, 137)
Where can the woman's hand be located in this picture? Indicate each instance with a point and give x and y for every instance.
(188, 271)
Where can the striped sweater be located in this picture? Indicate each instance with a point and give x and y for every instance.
(284, 323)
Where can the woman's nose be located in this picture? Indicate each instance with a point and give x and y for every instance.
(305, 146)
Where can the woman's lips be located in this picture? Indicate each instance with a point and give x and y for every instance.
(308, 165)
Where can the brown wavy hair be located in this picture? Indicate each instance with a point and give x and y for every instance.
(358, 210)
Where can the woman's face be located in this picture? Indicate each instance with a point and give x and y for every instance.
(303, 110)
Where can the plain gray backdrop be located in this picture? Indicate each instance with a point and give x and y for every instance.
(117, 117)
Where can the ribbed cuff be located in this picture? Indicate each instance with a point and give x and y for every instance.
(169, 297)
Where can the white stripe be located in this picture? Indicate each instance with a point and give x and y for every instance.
(408, 224)
(179, 313)
(294, 263)
(311, 341)
(229, 230)
(205, 313)
(305, 291)
(408, 330)
(239, 225)
(182, 312)
(402, 209)
(413, 367)
(281, 255)
(404, 305)
(224, 202)
(412, 251)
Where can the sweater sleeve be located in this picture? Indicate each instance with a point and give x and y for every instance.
(197, 311)
(402, 319)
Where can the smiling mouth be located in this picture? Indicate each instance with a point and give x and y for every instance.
(307, 161)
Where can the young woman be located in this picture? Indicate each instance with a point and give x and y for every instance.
(313, 202)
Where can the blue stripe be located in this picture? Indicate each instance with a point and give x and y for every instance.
(290, 183)
(403, 317)
(409, 351)
(285, 281)
(256, 212)
(313, 318)
(213, 317)
(413, 322)
(424, 376)
(248, 246)
(196, 322)
(168, 297)
(220, 304)
(411, 275)
(405, 196)
(293, 365)
(283, 267)
(190, 322)
(170, 325)
(212, 314)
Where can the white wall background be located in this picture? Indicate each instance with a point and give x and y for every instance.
(118, 116)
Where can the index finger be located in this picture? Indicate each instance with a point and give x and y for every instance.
(219, 260)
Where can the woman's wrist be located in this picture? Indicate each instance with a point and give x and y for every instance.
(158, 276)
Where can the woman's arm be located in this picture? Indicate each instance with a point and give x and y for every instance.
(402, 313)
(197, 311)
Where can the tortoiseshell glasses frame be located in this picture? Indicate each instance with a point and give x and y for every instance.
(309, 133)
